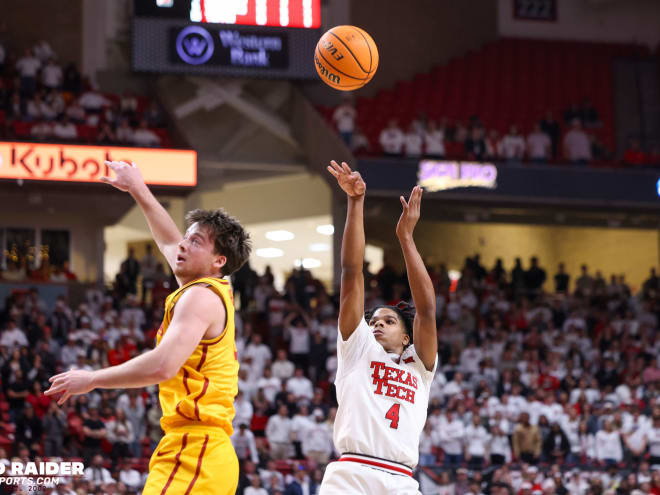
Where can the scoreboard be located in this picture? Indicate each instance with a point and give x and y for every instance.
(246, 38)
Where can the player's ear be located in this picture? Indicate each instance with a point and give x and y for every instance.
(220, 261)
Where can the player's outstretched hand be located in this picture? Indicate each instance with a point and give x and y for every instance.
(74, 382)
(351, 182)
(410, 213)
(128, 176)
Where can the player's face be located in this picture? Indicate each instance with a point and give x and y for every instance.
(196, 257)
(389, 330)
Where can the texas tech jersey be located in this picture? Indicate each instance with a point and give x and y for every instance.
(382, 404)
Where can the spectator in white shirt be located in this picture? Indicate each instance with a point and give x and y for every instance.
(93, 101)
(255, 487)
(413, 142)
(143, 136)
(76, 112)
(538, 145)
(608, 445)
(28, 66)
(344, 118)
(13, 337)
(65, 130)
(577, 147)
(129, 476)
(244, 444)
(259, 352)
(392, 139)
(43, 51)
(96, 473)
(477, 443)
(500, 448)
(454, 387)
(426, 441)
(513, 146)
(270, 385)
(271, 478)
(434, 141)
(300, 386)
(450, 439)
(51, 75)
(244, 410)
(298, 335)
(300, 423)
(317, 441)
(278, 433)
(282, 367)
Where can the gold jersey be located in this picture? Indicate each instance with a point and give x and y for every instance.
(203, 390)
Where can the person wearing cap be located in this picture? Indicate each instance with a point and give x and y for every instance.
(317, 440)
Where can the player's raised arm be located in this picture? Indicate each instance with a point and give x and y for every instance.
(425, 336)
(164, 230)
(351, 300)
(196, 311)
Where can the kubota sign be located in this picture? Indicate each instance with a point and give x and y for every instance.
(73, 163)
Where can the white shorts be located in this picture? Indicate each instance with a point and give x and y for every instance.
(366, 477)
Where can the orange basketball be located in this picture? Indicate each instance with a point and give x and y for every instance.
(346, 58)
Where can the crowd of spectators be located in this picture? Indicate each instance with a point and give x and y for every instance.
(544, 143)
(42, 100)
(548, 385)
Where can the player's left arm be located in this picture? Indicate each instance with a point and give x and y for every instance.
(196, 311)
(425, 335)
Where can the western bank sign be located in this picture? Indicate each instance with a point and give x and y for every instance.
(444, 175)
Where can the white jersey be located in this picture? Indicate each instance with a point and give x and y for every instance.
(382, 404)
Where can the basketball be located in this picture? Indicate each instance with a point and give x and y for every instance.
(346, 58)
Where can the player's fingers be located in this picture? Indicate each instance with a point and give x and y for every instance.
(64, 398)
(336, 166)
(403, 202)
(107, 180)
(54, 389)
(346, 168)
(113, 165)
(333, 171)
(55, 377)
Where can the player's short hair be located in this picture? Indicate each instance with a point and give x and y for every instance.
(405, 311)
(230, 238)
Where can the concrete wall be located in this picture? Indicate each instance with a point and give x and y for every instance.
(294, 196)
(612, 21)
(414, 36)
(60, 23)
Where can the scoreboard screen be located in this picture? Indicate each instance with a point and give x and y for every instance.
(260, 38)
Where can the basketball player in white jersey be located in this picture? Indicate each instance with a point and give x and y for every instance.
(386, 363)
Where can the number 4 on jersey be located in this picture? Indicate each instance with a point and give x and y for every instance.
(393, 416)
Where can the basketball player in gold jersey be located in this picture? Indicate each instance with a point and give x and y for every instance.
(194, 361)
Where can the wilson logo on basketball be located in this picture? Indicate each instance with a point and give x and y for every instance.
(324, 72)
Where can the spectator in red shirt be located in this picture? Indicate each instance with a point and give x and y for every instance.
(634, 155)
(39, 402)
